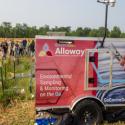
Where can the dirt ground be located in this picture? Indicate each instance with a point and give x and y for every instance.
(20, 114)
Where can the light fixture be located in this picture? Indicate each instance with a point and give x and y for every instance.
(109, 2)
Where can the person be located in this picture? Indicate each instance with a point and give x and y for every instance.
(4, 46)
(24, 43)
(1, 56)
(28, 47)
(32, 47)
(21, 49)
(9, 47)
(12, 48)
(122, 62)
(17, 49)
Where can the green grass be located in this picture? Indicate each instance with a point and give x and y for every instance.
(13, 87)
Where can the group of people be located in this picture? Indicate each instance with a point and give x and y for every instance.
(17, 49)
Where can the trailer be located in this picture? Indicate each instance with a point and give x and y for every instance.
(75, 76)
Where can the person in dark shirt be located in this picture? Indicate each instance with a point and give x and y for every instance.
(4, 46)
(32, 47)
(12, 48)
(24, 43)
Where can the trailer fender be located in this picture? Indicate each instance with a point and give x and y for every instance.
(99, 102)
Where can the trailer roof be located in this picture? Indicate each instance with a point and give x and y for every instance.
(80, 38)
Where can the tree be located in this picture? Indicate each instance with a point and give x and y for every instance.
(72, 33)
(116, 32)
(2, 33)
(23, 30)
(18, 30)
(33, 31)
(93, 33)
(67, 30)
(45, 29)
(6, 29)
(86, 31)
(122, 35)
(79, 31)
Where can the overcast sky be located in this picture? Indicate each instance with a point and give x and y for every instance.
(74, 13)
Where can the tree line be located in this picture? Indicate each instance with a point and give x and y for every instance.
(23, 30)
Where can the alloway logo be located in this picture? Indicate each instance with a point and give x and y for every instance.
(63, 51)
(45, 51)
(60, 51)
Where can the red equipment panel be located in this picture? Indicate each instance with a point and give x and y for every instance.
(60, 71)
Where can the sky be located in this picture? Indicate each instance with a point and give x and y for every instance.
(74, 13)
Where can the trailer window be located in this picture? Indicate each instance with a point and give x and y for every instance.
(94, 80)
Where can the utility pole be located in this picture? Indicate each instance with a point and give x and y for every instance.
(106, 3)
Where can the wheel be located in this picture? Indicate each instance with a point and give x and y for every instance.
(89, 113)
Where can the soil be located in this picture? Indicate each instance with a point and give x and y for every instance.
(20, 113)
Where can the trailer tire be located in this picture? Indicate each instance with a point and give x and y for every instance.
(88, 112)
